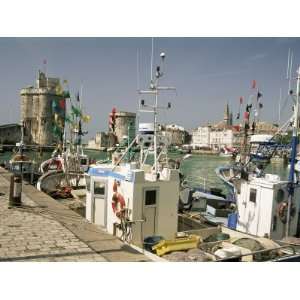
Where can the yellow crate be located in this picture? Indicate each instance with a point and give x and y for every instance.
(178, 244)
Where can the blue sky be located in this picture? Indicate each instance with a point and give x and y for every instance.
(207, 72)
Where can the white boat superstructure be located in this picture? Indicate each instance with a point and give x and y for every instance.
(262, 207)
(131, 202)
(266, 205)
(135, 200)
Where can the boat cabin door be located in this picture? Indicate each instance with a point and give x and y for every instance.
(149, 212)
(99, 212)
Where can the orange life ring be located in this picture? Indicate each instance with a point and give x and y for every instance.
(118, 204)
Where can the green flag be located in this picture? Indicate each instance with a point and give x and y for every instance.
(76, 111)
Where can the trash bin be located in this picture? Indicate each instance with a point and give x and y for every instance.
(232, 220)
(15, 196)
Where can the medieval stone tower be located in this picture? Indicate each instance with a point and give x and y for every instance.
(37, 113)
(122, 124)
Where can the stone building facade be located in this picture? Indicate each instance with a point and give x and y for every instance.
(102, 141)
(176, 135)
(10, 134)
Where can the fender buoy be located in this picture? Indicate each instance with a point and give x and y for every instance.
(282, 210)
(58, 164)
(118, 204)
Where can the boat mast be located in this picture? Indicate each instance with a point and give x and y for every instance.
(154, 90)
(293, 154)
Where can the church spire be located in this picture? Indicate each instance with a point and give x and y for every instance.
(227, 115)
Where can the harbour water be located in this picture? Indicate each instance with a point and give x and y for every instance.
(197, 169)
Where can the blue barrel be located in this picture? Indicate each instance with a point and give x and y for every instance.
(151, 241)
(232, 220)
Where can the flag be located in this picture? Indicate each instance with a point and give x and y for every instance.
(68, 119)
(86, 118)
(56, 130)
(241, 100)
(59, 90)
(55, 106)
(66, 94)
(259, 95)
(253, 84)
(76, 111)
(62, 104)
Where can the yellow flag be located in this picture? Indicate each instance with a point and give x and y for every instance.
(86, 118)
(59, 90)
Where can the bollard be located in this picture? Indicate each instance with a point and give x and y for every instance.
(15, 192)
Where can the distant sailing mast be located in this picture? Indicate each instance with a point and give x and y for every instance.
(294, 150)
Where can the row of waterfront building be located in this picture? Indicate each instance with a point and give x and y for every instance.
(209, 136)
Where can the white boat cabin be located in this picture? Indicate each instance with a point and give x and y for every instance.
(146, 203)
(262, 207)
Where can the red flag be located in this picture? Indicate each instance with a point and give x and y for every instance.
(241, 100)
(253, 84)
(62, 104)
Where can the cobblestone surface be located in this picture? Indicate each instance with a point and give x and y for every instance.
(31, 234)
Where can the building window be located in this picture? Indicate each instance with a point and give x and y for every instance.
(150, 197)
(99, 188)
(253, 195)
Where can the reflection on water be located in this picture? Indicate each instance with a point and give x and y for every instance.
(195, 168)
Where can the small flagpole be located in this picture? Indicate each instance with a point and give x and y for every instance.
(279, 106)
(151, 63)
(45, 66)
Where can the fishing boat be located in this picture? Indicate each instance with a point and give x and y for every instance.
(266, 206)
(138, 202)
(65, 169)
(227, 152)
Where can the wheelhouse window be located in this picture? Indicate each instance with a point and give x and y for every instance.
(280, 195)
(83, 161)
(252, 197)
(99, 188)
(150, 197)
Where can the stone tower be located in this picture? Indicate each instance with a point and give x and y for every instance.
(37, 110)
(124, 125)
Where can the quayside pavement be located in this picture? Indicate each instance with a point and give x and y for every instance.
(43, 229)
